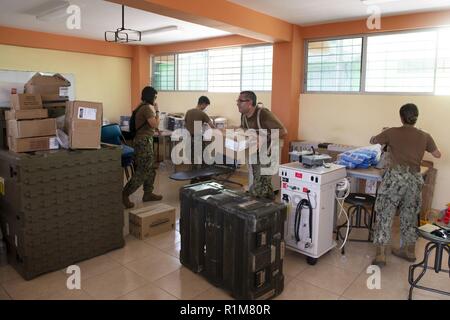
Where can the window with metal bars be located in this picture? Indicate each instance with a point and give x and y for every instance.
(443, 63)
(334, 65)
(257, 68)
(163, 70)
(193, 71)
(224, 70)
(230, 69)
(403, 62)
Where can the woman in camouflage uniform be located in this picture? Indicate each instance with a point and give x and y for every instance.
(402, 184)
(146, 121)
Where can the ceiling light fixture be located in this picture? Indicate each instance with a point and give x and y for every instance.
(159, 30)
(52, 10)
(122, 34)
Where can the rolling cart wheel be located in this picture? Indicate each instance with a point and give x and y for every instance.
(311, 261)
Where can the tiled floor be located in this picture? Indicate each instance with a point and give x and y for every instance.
(150, 269)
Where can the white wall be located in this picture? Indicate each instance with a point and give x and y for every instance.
(222, 104)
(353, 119)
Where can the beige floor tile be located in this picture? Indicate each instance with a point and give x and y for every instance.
(8, 273)
(95, 266)
(328, 277)
(301, 290)
(287, 279)
(183, 283)
(3, 294)
(352, 261)
(174, 250)
(148, 292)
(439, 281)
(113, 284)
(154, 267)
(164, 240)
(67, 294)
(293, 263)
(394, 285)
(40, 287)
(214, 293)
(134, 249)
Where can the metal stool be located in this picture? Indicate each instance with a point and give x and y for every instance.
(440, 244)
(359, 216)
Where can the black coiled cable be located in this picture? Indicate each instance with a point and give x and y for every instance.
(303, 204)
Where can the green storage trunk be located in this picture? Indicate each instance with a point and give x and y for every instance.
(60, 207)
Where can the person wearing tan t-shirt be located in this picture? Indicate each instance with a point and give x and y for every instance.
(146, 121)
(198, 115)
(253, 117)
(402, 184)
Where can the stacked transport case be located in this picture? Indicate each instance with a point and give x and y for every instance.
(60, 207)
(232, 239)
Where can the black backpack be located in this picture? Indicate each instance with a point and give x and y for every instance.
(132, 124)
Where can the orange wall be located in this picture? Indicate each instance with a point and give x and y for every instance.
(388, 24)
(41, 40)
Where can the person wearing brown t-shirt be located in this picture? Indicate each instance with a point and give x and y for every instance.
(199, 115)
(402, 184)
(146, 121)
(253, 117)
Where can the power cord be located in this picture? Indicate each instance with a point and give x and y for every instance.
(344, 187)
(303, 204)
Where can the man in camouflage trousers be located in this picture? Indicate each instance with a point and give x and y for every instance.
(255, 117)
(402, 184)
(400, 189)
(262, 184)
(144, 164)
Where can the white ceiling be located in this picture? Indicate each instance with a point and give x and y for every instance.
(99, 16)
(305, 12)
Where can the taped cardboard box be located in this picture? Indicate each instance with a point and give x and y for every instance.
(24, 101)
(152, 220)
(32, 144)
(31, 128)
(26, 114)
(51, 88)
(83, 124)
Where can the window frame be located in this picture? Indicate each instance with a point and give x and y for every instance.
(175, 73)
(362, 90)
(176, 64)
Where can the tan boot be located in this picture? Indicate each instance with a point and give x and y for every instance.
(150, 196)
(380, 258)
(406, 252)
(126, 201)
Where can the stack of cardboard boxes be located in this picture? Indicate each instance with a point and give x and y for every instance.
(28, 125)
(54, 91)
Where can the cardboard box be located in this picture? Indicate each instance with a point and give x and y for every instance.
(152, 220)
(23, 101)
(83, 124)
(32, 144)
(31, 128)
(26, 114)
(51, 88)
(237, 146)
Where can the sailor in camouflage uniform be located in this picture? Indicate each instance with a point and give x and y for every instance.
(146, 121)
(255, 117)
(402, 184)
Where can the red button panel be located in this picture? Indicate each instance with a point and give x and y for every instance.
(298, 175)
